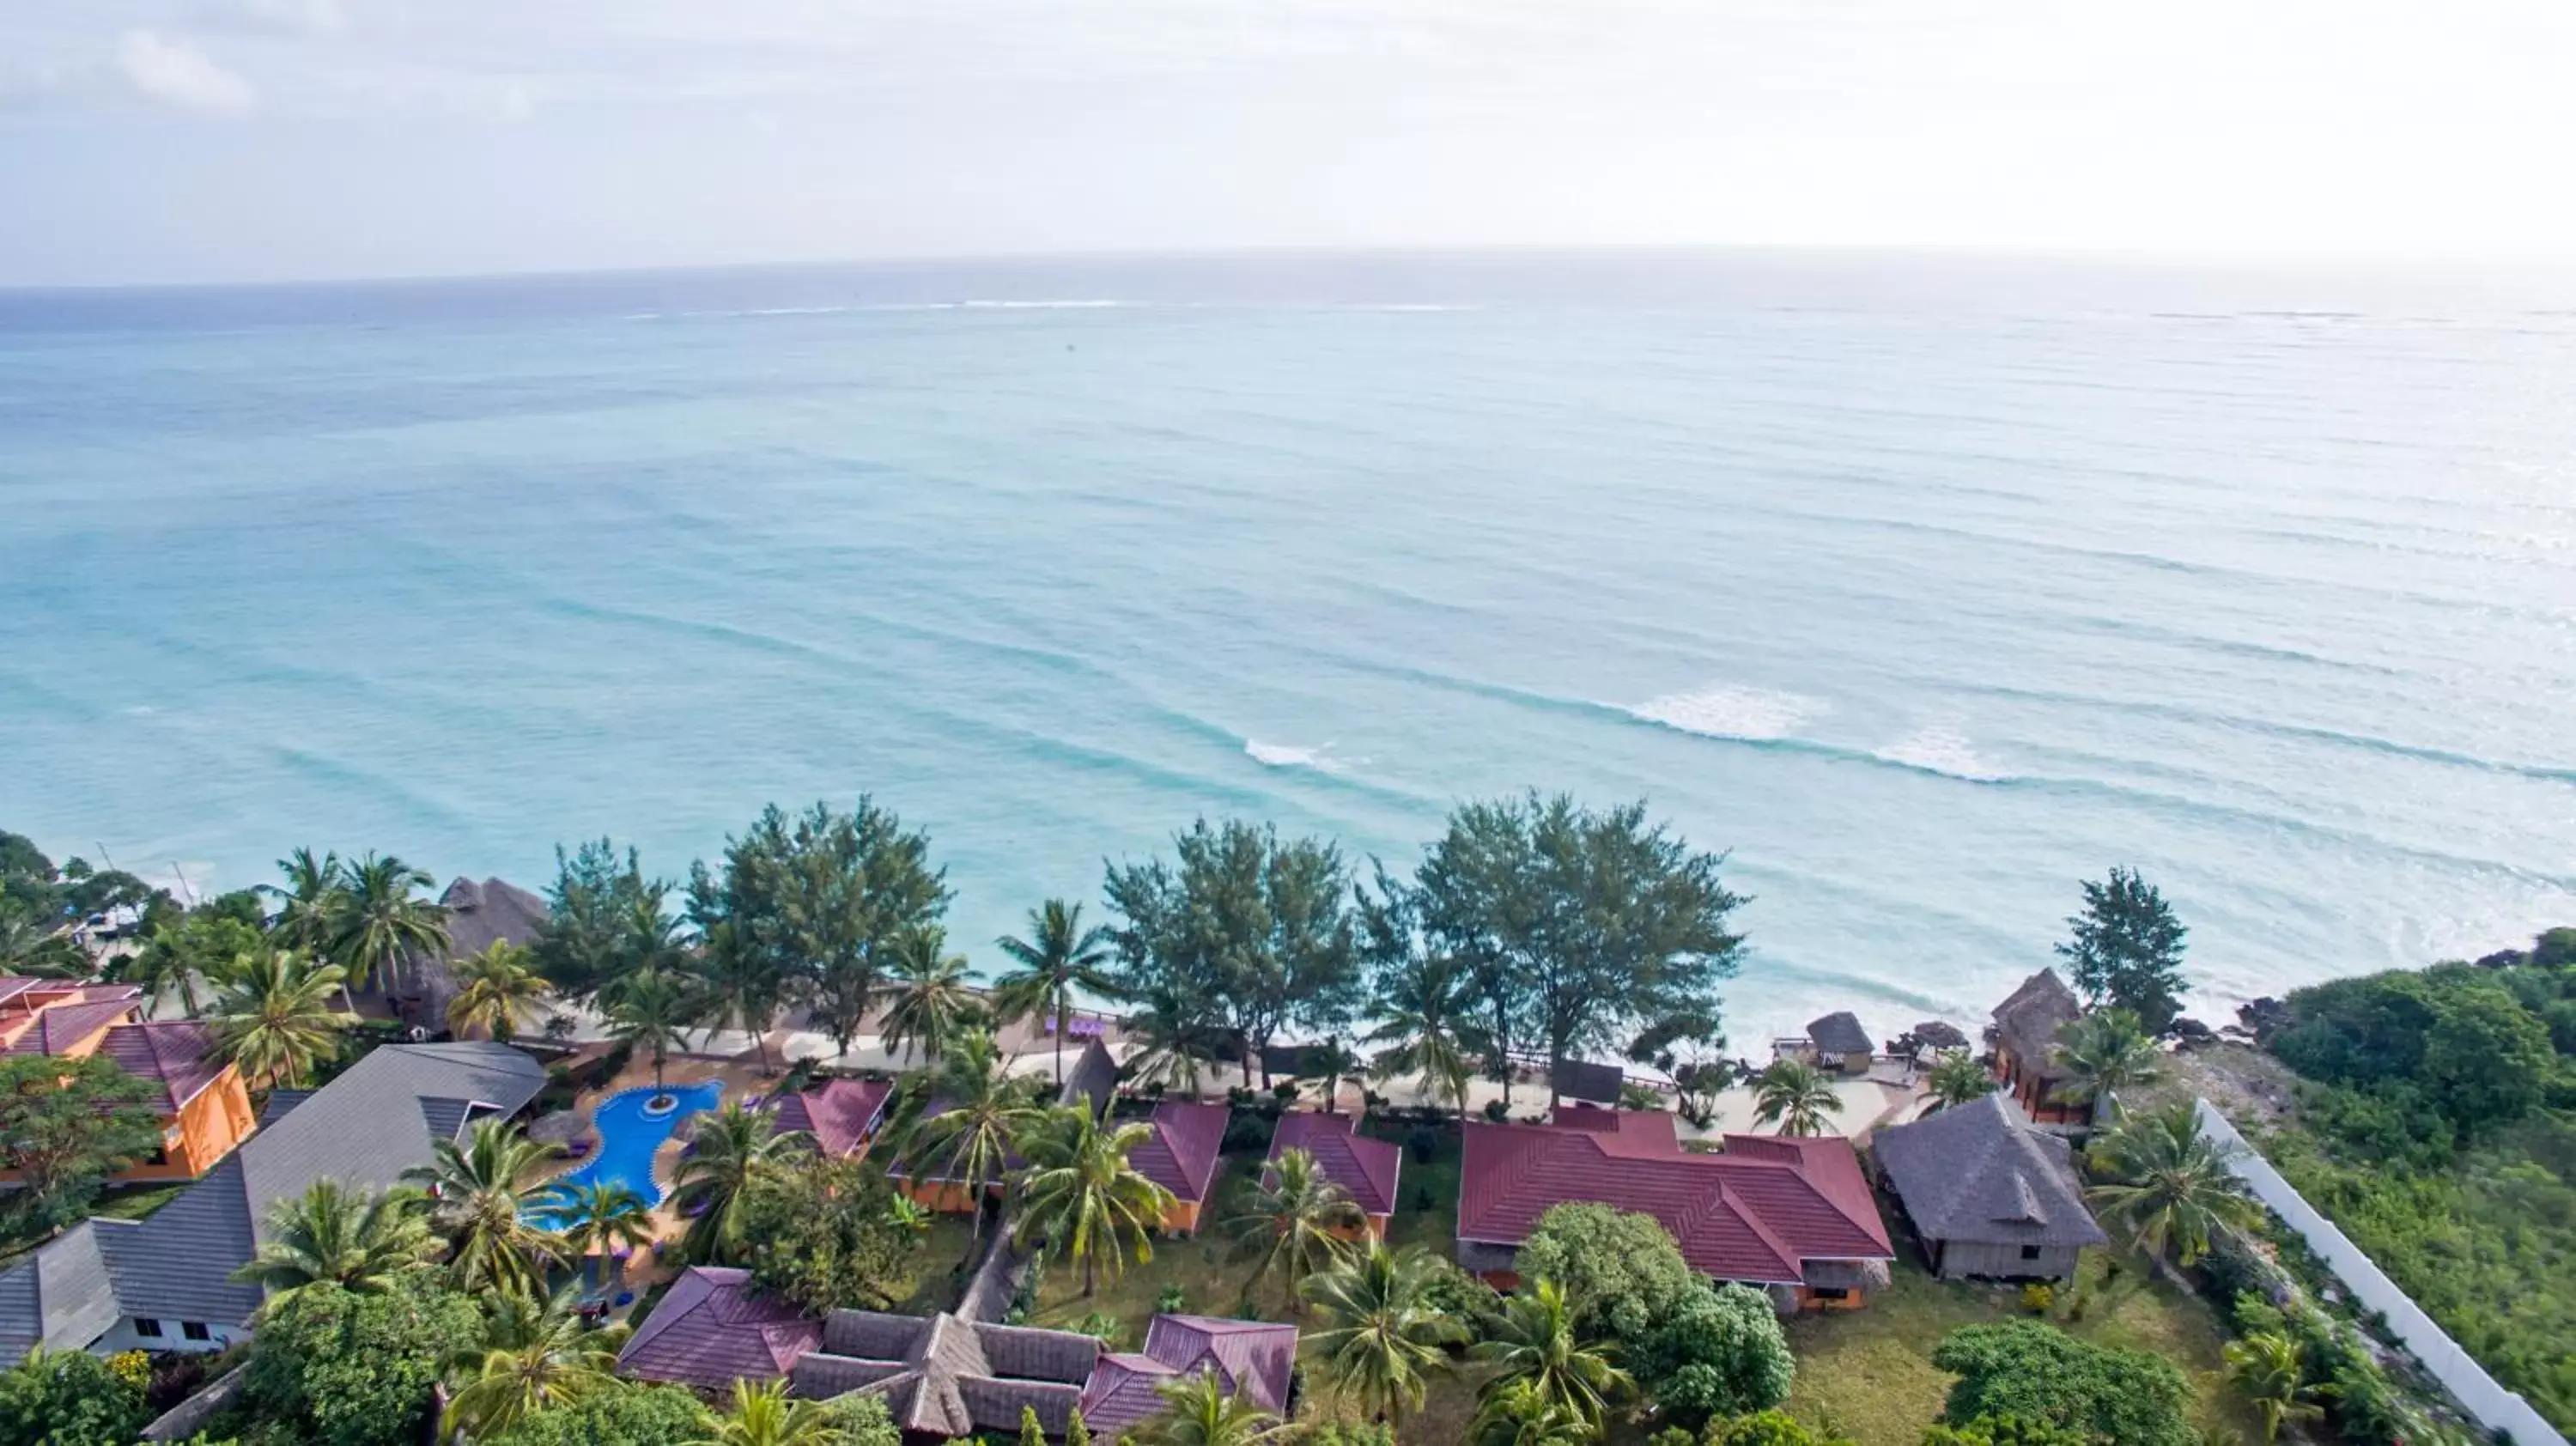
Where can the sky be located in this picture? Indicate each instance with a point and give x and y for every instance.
(259, 140)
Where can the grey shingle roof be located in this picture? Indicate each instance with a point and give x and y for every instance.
(58, 1297)
(177, 1263)
(1978, 1172)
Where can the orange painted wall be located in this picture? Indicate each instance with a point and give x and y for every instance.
(948, 1197)
(1181, 1217)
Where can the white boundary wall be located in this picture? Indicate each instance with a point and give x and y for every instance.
(2486, 1400)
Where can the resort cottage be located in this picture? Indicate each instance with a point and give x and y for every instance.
(479, 916)
(2024, 1035)
(1181, 1156)
(1793, 1217)
(1987, 1194)
(841, 1116)
(204, 1108)
(164, 1283)
(944, 1377)
(1364, 1167)
(1838, 1042)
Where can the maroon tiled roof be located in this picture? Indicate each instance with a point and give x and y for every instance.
(1253, 1357)
(178, 1055)
(1181, 1154)
(1365, 1167)
(1753, 1213)
(65, 1025)
(840, 1114)
(710, 1331)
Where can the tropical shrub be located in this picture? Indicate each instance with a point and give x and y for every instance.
(2036, 1372)
(69, 1398)
(332, 1367)
(626, 1414)
(823, 1237)
(1716, 1352)
(1621, 1271)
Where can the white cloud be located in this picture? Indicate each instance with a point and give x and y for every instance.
(177, 73)
(313, 17)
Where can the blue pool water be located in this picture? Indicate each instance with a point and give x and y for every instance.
(627, 1139)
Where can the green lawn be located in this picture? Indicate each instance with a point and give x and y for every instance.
(1871, 1369)
(935, 1280)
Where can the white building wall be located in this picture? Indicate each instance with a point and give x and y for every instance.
(122, 1337)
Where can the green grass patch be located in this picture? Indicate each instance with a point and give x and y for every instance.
(936, 1281)
(1871, 1369)
(136, 1201)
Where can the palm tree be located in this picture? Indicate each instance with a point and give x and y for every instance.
(536, 1352)
(43, 950)
(339, 1233)
(2103, 1053)
(163, 966)
(1796, 1096)
(274, 1016)
(477, 1207)
(381, 920)
(1522, 1413)
(1080, 1194)
(765, 1415)
(494, 988)
(1198, 1411)
(982, 1113)
(1297, 1222)
(2170, 1185)
(1955, 1079)
(929, 1002)
(650, 1012)
(605, 1214)
(732, 1149)
(740, 986)
(1533, 1340)
(1173, 1045)
(1382, 1335)
(1058, 958)
(2269, 1368)
(1422, 1011)
(311, 903)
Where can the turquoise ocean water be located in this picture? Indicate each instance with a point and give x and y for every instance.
(1925, 586)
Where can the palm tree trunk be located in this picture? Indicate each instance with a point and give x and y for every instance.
(1063, 1021)
(1090, 1263)
(760, 1041)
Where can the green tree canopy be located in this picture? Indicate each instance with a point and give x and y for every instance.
(823, 1236)
(67, 1124)
(1240, 927)
(1621, 1272)
(1584, 930)
(625, 1413)
(353, 1369)
(2036, 1372)
(581, 948)
(1718, 1352)
(2126, 948)
(69, 1398)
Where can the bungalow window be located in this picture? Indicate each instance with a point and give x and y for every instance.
(195, 1330)
(146, 1327)
(1831, 1292)
(2030, 1252)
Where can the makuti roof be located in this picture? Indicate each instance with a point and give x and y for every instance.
(1753, 1213)
(1840, 1033)
(478, 916)
(839, 1114)
(1365, 1167)
(2028, 1020)
(1181, 1154)
(709, 1331)
(1978, 1172)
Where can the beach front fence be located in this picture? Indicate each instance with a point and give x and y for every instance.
(2485, 1399)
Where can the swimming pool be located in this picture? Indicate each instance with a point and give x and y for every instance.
(628, 1136)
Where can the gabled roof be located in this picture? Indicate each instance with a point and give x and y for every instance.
(709, 1331)
(176, 1054)
(2028, 1020)
(1754, 1213)
(365, 1128)
(1365, 1167)
(1840, 1033)
(1978, 1172)
(1181, 1154)
(68, 1026)
(948, 1377)
(839, 1114)
(59, 1298)
(1253, 1357)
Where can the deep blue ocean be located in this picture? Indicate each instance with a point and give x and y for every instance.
(1925, 586)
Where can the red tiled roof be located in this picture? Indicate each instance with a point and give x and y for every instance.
(1365, 1167)
(1751, 1214)
(1181, 1154)
(1254, 1357)
(710, 1331)
(65, 1025)
(839, 1114)
(178, 1055)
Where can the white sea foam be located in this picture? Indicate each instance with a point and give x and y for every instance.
(1105, 305)
(1939, 748)
(1727, 711)
(1289, 755)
